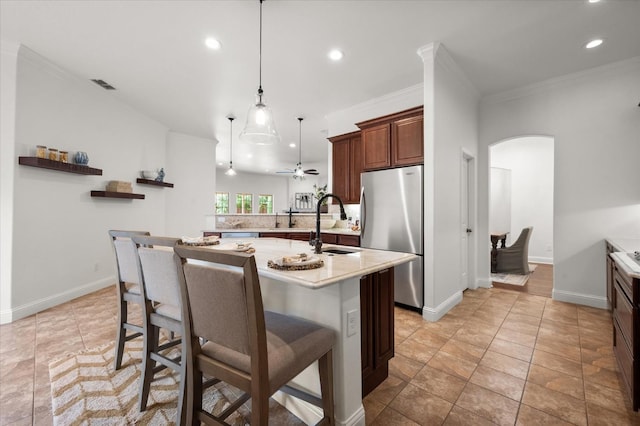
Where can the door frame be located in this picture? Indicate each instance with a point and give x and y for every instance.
(470, 194)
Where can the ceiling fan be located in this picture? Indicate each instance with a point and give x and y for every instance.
(299, 172)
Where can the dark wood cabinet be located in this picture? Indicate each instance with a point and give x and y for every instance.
(376, 319)
(211, 234)
(348, 240)
(610, 271)
(394, 140)
(626, 330)
(346, 167)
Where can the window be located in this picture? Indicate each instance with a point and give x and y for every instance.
(265, 203)
(222, 202)
(244, 203)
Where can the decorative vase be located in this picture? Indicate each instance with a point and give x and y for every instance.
(160, 177)
(81, 157)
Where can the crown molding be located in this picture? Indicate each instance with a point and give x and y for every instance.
(445, 61)
(9, 47)
(564, 80)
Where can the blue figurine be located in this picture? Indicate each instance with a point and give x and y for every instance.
(160, 177)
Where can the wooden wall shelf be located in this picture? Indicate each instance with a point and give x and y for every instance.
(45, 163)
(109, 194)
(154, 182)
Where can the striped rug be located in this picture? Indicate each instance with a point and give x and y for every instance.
(86, 390)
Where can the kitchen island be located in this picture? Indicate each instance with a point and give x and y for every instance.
(329, 295)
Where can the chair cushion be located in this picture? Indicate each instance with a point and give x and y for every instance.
(132, 288)
(292, 345)
(170, 311)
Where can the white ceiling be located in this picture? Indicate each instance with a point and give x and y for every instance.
(153, 52)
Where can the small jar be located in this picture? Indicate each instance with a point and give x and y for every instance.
(53, 154)
(41, 151)
(64, 156)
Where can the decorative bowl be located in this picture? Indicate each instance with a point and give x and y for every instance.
(327, 223)
(149, 174)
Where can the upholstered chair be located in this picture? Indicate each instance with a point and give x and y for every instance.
(515, 258)
(161, 309)
(128, 288)
(256, 351)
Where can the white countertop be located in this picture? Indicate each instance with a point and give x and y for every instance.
(623, 247)
(341, 231)
(336, 268)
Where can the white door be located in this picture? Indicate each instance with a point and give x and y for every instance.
(465, 195)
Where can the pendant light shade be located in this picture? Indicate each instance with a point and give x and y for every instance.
(260, 127)
(230, 172)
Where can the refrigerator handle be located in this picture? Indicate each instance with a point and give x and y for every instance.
(363, 210)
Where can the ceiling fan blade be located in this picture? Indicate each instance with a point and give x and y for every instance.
(285, 171)
(311, 172)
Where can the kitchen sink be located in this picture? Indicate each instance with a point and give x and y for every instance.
(635, 257)
(339, 251)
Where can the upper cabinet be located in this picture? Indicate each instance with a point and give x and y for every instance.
(346, 166)
(393, 140)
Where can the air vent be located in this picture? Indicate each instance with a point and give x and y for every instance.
(103, 84)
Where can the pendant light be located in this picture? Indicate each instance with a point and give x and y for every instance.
(299, 172)
(260, 128)
(230, 172)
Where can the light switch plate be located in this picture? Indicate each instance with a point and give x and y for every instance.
(352, 322)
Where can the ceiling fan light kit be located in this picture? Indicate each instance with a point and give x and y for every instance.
(260, 128)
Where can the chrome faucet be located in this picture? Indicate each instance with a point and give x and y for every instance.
(317, 242)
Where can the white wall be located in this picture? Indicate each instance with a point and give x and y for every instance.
(595, 121)
(8, 82)
(500, 200)
(530, 160)
(191, 167)
(61, 247)
(451, 105)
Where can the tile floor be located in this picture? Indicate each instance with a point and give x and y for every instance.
(499, 357)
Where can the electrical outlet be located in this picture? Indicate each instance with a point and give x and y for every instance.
(352, 322)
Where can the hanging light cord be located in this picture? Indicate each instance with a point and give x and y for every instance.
(231, 141)
(300, 137)
(260, 58)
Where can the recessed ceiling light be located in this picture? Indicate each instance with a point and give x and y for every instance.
(336, 55)
(593, 43)
(249, 155)
(292, 145)
(594, 1)
(212, 43)
(220, 164)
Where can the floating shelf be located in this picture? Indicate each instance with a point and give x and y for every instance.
(45, 163)
(154, 182)
(109, 194)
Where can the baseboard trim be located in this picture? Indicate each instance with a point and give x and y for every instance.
(484, 283)
(40, 305)
(544, 260)
(580, 299)
(310, 414)
(434, 314)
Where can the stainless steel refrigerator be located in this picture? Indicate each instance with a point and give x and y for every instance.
(391, 215)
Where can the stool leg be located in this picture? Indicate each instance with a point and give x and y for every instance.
(325, 368)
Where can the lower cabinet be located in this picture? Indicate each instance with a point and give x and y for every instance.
(626, 331)
(376, 319)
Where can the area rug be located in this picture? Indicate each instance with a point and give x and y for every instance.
(86, 390)
(513, 279)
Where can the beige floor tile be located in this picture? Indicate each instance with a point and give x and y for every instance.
(404, 368)
(600, 359)
(390, 417)
(450, 364)
(606, 397)
(463, 350)
(439, 383)
(421, 406)
(560, 348)
(387, 390)
(499, 382)
(528, 309)
(505, 364)
(446, 327)
(415, 350)
(521, 327)
(557, 363)
(428, 338)
(601, 376)
(511, 349)
(530, 416)
(372, 409)
(489, 405)
(559, 335)
(523, 318)
(516, 337)
(473, 337)
(555, 403)
(490, 316)
(600, 416)
(556, 381)
(458, 416)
